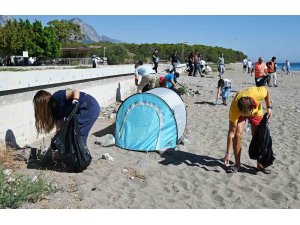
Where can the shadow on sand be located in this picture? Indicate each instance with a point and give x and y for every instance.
(107, 130)
(204, 102)
(177, 157)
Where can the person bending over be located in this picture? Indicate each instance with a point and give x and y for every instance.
(148, 76)
(247, 104)
(51, 109)
(224, 88)
(171, 80)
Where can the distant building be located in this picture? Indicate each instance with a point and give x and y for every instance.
(78, 52)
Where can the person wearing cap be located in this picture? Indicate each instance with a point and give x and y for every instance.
(247, 104)
(148, 76)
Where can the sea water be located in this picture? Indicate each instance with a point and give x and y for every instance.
(294, 66)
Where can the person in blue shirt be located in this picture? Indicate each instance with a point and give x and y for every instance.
(171, 80)
(51, 109)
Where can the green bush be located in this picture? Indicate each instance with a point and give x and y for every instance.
(116, 54)
(19, 189)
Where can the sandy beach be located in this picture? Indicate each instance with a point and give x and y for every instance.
(194, 175)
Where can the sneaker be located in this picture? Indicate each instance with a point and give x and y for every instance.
(232, 169)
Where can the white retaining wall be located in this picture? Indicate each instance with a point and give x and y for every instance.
(107, 84)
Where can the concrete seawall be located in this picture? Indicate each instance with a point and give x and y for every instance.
(107, 84)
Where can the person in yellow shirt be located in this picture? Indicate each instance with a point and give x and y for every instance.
(247, 104)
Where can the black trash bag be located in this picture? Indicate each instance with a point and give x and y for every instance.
(260, 147)
(71, 148)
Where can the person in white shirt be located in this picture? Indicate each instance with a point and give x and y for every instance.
(30, 61)
(207, 69)
(245, 61)
(224, 88)
(249, 66)
(221, 65)
(148, 76)
(94, 61)
(287, 67)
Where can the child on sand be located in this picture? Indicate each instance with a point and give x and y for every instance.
(224, 87)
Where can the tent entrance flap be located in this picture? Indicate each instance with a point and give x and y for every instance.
(147, 129)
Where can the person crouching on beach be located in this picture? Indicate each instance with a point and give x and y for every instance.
(171, 80)
(224, 88)
(247, 104)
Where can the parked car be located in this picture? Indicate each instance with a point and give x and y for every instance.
(17, 60)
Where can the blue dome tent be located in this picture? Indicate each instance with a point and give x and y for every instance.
(153, 120)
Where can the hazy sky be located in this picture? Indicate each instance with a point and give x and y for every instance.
(256, 36)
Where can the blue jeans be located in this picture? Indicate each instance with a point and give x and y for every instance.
(197, 69)
(225, 93)
(174, 64)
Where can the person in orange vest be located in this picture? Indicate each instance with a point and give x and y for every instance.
(260, 70)
(271, 69)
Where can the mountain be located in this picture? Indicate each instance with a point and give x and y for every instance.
(4, 19)
(90, 34)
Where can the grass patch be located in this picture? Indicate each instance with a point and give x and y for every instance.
(15, 189)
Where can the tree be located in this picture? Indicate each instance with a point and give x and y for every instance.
(116, 54)
(50, 44)
(39, 41)
(66, 31)
(11, 38)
